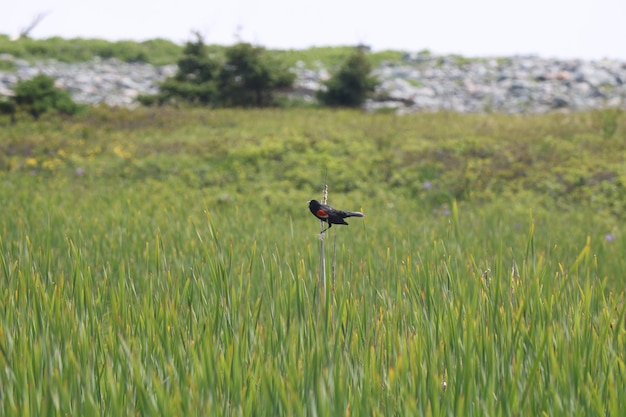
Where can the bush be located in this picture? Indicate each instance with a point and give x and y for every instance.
(7, 107)
(39, 95)
(195, 81)
(247, 77)
(352, 84)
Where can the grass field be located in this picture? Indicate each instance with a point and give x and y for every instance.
(163, 262)
(162, 52)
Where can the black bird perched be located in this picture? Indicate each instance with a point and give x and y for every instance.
(330, 215)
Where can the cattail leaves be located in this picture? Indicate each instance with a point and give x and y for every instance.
(131, 291)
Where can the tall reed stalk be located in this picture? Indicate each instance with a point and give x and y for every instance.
(322, 276)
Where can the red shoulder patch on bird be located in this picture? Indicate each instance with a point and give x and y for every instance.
(322, 213)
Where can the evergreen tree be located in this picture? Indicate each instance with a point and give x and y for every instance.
(195, 80)
(249, 78)
(352, 83)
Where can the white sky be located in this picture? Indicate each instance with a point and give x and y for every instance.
(589, 29)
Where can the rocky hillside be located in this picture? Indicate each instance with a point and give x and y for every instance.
(421, 82)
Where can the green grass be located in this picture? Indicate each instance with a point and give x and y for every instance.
(162, 51)
(164, 262)
(155, 51)
(7, 65)
(331, 57)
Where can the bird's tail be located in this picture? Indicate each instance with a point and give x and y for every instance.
(354, 214)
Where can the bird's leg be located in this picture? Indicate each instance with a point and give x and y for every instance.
(329, 226)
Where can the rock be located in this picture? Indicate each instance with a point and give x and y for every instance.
(420, 82)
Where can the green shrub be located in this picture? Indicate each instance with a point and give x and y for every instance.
(195, 80)
(352, 84)
(7, 107)
(39, 95)
(249, 78)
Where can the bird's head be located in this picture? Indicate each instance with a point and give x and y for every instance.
(313, 204)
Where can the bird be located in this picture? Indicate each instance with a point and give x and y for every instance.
(331, 215)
